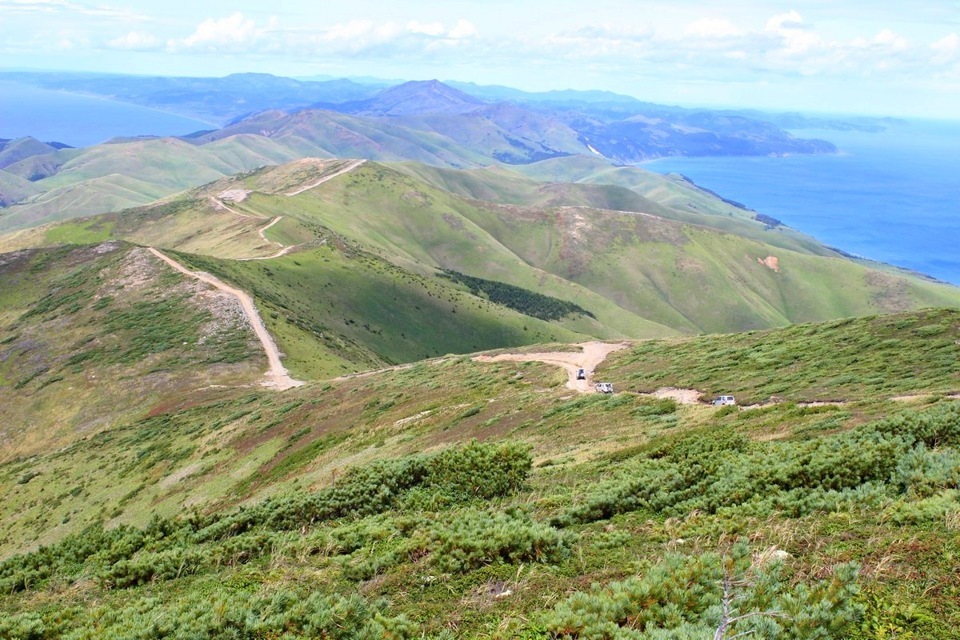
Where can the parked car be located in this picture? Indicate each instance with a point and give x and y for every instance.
(604, 387)
(721, 401)
(581, 374)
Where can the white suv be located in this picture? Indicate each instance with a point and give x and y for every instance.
(724, 400)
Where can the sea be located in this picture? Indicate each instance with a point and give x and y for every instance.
(80, 121)
(891, 196)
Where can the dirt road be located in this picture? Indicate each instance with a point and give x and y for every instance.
(350, 167)
(592, 354)
(219, 205)
(282, 251)
(277, 377)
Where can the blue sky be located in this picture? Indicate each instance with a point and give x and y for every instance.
(878, 57)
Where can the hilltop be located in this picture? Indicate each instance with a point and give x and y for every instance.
(648, 259)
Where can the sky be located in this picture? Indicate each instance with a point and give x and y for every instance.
(881, 57)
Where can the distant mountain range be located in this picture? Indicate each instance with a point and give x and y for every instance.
(429, 122)
(507, 125)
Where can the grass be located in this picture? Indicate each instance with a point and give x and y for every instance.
(444, 565)
(692, 270)
(855, 359)
(91, 334)
(337, 309)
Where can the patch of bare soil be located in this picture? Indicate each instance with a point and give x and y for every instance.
(137, 270)
(770, 262)
(350, 167)
(234, 195)
(590, 356)
(912, 398)
(682, 396)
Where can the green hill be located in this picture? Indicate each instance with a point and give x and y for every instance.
(115, 176)
(13, 189)
(685, 276)
(360, 508)
(642, 269)
(93, 333)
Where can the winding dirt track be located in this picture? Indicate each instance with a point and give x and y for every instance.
(220, 205)
(592, 355)
(282, 251)
(277, 377)
(350, 167)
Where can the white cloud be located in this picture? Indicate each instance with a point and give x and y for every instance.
(891, 41)
(136, 41)
(463, 29)
(710, 47)
(713, 28)
(367, 39)
(785, 21)
(233, 33)
(608, 32)
(946, 49)
(429, 29)
(362, 38)
(28, 7)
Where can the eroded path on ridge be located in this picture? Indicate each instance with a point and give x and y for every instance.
(350, 167)
(277, 376)
(239, 195)
(592, 354)
(282, 251)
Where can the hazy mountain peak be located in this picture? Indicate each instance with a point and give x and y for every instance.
(420, 97)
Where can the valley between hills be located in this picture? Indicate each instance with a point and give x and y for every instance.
(300, 395)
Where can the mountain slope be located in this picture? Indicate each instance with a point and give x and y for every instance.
(675, 274)
(115, 176)
(365, 499)
(13, 151)
(643, 272)
(14, 189)
(414, 98)
(92, 333)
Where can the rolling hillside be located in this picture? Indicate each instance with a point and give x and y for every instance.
(120, 175)
(362, 506)
(643, 269)
(425, 122)
(92, 333)
(155, 487)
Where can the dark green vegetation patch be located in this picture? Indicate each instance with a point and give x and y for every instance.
(519, 299)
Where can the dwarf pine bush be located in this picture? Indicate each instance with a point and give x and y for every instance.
(473, 538)
(284, 613)
(166, 548)
(721, 470)
(710, 596)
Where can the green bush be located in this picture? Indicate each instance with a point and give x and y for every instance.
(720, 470)
(171, 547)
(711, 596)
(284, 613)
(471, 539)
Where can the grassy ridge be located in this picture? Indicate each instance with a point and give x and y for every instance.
(423, 228)
(879, 356)
(688, 268)
(117, 176)
(87, 334)
(337, 309)
(624, 492)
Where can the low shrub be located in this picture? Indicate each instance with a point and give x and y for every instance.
(710, 595)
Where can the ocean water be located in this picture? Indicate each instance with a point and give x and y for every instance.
(80, 121)
(892, 196)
